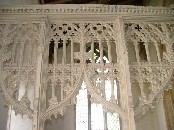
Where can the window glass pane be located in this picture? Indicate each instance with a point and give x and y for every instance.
(108, 89)
(82, 109)
(115, 89)
(97, 120)
(113, 122)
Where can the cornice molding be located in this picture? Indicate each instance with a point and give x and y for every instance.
(86, 9)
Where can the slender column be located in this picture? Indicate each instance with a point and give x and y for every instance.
(127, 123)
(64, 51)
(22, 53)
(14, 52)
(112, 89)
(137, 51)
(19, 62)
(147, 51)
(32, 55)
(92, 50)
(55, 53)
(104, 113)
(53, 89)
(29, 53)
(158, 52)
(141, 87)
(109, 51)
(89, 112)
(118, 92)
(101, 51)
(54, 70)
(72, 62)
(53, 82)
(37, 90)
(62, 89)
(26, 88)
(44, 99)
(72, 51)
(8, 126)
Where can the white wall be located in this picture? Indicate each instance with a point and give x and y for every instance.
(54, 124)
(17, 122)
(69, 118)
(67, 122)
(160, 115)
(154, 119)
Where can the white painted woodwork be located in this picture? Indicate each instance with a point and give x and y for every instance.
(125, 35)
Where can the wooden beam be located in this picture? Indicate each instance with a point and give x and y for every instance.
(125, 2)
(112, 2)
(59, 2)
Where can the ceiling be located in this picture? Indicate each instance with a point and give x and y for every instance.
(109, 2)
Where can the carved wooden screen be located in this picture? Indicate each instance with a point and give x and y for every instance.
(151, 62)
(53, 52)
(19, 46)
(77, 52)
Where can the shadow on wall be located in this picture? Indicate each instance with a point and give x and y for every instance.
(3, 114)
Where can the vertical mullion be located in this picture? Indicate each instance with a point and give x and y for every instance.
(137, 52)
(109, 51)
(14, 52)
(64, 51)
(92, 51)
(104, 113)
(29, 53)
(89, 112)
(101, 51)
(22, 53)
(147, 51)
(105, 121)
(72, 51)
(55, 53)
(158, 52)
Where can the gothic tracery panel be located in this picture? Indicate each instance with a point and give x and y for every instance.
(18, 63)
(151, 65)
(92, 49)
(54, 60)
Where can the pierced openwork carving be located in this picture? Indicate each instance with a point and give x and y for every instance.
(151, 66)
(81, 51)
(50, 55)
(18, 64)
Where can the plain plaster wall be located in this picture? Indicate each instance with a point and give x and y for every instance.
(67, 122)
(3, 114)
(54, 124)
(160, 115)
(154, 119)
(19, 123)
(146, 122)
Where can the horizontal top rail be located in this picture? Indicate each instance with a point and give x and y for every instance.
(86, 9)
